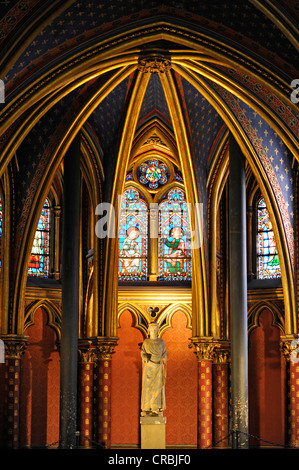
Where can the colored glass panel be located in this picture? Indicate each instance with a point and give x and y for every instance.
(174, 238)
(133, 230)
(39, 263)
(153, 174)
(267, 257)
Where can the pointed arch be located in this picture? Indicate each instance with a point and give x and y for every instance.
(55, 158)
(53, 313)
(215, 190)
(140, 321)
(286, 262)
(165, 319)
(199, 293)
(110, 278)
(93, 173)
(255, 311)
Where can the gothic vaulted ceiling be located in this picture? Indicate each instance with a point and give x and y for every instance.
(232, 63)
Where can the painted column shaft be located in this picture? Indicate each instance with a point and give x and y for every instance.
(70, 297)
(12, 402)
(205, 404)
(294, 403)
(238, 296)
(86, 403)
(220, 404)
(104, 402)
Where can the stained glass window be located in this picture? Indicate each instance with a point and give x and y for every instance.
(153, 174)
(174, 238)
(133, 232)
(39, 263)
(267, 257)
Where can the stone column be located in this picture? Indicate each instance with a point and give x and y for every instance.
(204, 350)
(238, 296)
(14, 348)
(290, 350)
(70, 297)
(105, 349)
(220, 397)
(86, 372)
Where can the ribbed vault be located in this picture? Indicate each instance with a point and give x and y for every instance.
(196, 77)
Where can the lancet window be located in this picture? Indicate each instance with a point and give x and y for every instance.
(154, 195)
(174, 239)
(267, 258)
(133, 237)
(39, 263)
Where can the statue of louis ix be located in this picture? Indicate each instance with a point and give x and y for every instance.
(154, 358)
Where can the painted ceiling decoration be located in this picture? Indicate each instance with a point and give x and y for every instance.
(71, 65)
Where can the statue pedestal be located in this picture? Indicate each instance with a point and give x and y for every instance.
(153, 432)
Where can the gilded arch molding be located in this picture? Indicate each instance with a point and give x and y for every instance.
(280, 18)
(110, 277)
(215, 190)
(142, 318)
(23, 36)
(199, 276)
(55, 158)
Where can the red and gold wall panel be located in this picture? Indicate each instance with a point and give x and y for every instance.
(40, 390)
(181, 385)
(126, 383)
(267, 375)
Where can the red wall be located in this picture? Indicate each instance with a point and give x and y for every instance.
(266, 383)
(181, 384)
(125, 383)
(40, 378)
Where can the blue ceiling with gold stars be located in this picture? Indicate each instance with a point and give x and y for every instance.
(254, 29)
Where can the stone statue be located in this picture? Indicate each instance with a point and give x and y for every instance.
(154, 357)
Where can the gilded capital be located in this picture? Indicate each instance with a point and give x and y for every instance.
(57, 211)
(289, 346)
(204, 348)
(222, 353)
(87, 353)
(105, 347)
(14, 345)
